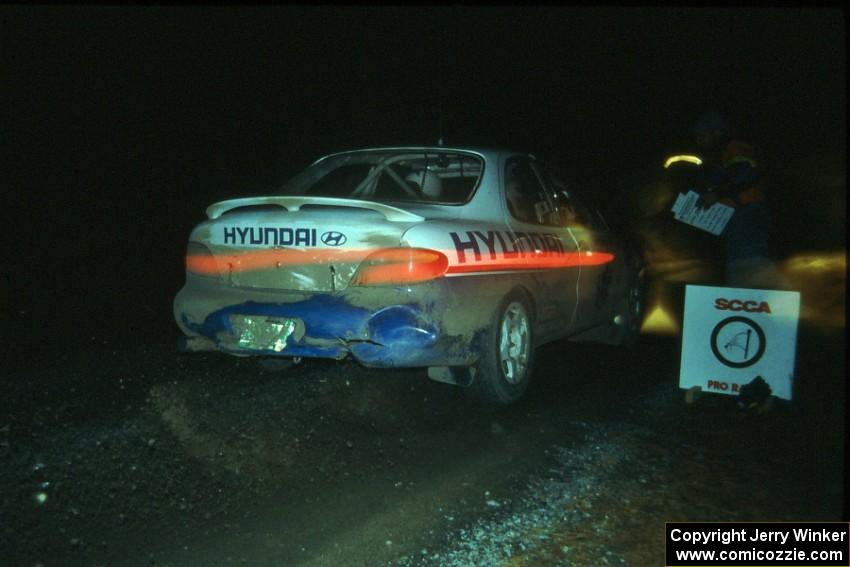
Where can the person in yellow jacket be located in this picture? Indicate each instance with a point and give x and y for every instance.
(732, 176)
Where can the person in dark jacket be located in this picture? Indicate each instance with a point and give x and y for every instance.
(733, 177)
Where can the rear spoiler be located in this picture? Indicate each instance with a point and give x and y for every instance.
(294, 203)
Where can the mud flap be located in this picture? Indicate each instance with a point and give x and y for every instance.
(455, 375)
(195, 344)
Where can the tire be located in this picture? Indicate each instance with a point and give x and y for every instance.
(507, 361)
(633, 317)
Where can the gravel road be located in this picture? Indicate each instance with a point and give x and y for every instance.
(126, 454)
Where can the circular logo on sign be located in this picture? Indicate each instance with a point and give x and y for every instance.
(334, 238)
(738, 342)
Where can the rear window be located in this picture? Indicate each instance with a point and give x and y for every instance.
(392, 175)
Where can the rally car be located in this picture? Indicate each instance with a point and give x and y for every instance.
(458, 260)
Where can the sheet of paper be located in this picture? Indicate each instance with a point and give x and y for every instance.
(677, 206)
(712, 219)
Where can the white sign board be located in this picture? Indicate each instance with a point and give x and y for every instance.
(712, 219)
(731, 335)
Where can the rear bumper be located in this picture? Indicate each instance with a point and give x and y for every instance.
(402, 328)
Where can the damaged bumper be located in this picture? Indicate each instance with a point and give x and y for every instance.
(400, 333)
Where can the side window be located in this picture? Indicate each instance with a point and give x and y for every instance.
(525, 195)
(572, 210)
(588, 216)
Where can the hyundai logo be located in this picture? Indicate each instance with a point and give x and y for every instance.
(334, 238)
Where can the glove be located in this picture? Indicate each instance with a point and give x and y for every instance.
(707, 199)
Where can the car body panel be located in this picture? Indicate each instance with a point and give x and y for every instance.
(297, 250)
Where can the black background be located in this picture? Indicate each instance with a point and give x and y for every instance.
(121, 124)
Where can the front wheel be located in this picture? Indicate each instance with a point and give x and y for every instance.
(507, 360)
(633, 317)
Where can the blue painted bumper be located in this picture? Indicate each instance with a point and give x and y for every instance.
(397, 335)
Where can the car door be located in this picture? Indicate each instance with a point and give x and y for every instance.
(596, 247)
(532, 216)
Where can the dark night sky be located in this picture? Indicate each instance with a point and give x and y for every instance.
(120, 124)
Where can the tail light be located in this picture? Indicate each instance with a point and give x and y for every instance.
(399, 266)
(200, 261)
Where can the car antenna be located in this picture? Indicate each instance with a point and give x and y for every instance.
(440, 109)
(441, 40)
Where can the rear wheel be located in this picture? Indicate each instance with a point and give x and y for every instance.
(505, 367)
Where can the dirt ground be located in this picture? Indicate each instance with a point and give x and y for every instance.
(128, 454)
